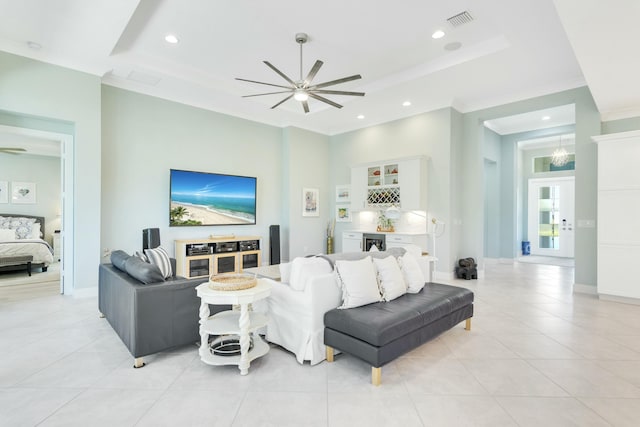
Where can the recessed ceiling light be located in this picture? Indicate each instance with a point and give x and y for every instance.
(34, 45)
(438, 34)
(406, 103)
(361, 116)
(546, 118)
(170, 38)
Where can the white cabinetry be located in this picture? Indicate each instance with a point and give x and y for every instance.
(351, 241)
(618, 213)
(402, 240)
(401, 183)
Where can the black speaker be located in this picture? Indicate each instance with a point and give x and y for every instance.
(150, 238)
(274, 244)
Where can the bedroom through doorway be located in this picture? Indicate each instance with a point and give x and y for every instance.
(32, 177)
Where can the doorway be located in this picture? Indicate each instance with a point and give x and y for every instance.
(60, 145)
(551, 215)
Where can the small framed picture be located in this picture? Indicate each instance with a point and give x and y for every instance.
(23, 192)
(343, 213)
(4, 192)
(310, 202)
(343, 193)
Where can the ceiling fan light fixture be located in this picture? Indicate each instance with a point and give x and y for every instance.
(302, 89)
(301, 95)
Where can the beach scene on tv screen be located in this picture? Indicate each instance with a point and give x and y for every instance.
(199, 198)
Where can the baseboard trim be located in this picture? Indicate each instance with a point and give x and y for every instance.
(584, 289)
(623, 300)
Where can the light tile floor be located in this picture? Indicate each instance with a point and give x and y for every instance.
(536, 355)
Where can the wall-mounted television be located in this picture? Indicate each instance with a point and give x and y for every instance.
(203, 198)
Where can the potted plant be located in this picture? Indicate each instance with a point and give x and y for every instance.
(384, 223)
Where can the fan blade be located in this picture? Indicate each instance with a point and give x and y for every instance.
(11, 149)
(284, 100)
(270, 93)
(313, 72)
(262, 83)
(339, 92)
(305, 105)
(325, 100)
(280, 73)
(335, 82)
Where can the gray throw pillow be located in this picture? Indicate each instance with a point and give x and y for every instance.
(143, 271)
(118, 259)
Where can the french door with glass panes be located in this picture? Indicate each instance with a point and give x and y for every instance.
(551, 216)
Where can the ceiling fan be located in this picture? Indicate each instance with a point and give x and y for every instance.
(12, 150)
(302, 89)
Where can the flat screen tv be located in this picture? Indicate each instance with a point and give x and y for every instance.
(202, 198)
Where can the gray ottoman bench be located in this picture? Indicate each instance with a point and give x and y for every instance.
(378, 333)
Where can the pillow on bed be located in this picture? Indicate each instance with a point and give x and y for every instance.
(36, 232)
(7, 235)
(23, 231)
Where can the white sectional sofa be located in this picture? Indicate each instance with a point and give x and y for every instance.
(296, 310)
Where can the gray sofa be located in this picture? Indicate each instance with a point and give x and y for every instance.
(151, 317)
(380, 332)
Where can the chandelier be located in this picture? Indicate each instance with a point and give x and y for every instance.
(559, 157)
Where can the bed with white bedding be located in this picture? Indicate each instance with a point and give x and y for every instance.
(21, 235)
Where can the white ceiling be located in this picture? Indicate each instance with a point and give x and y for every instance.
(35, 145)
(533, 120)
(512, 50)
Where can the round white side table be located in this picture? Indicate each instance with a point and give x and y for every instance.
(232, 322)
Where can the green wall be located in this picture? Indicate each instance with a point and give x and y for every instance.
(144, 137)
(429, 134)
(622, 125)
(587, 125)
(39, 95)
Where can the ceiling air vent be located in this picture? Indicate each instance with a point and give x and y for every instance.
(460, 19)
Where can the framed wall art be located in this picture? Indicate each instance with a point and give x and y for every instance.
(310, 202)
(23, 192)
(343, 213)
(343, 193)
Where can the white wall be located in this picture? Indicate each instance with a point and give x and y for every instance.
(45, 173)
(144, 137)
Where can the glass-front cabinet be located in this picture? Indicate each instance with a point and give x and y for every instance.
(400, 183)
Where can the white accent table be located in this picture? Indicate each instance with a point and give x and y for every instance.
(233, 322)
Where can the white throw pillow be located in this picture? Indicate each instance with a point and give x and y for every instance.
(7, 235)
(304, 269)
(285, 272)
(374, 248)
(358, 282)
(36, 233)
(412, 273)
(390, 278)
(160, 258)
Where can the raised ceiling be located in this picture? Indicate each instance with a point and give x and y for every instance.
(511, 50)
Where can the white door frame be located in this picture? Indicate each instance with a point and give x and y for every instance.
(566, 230)
(67, 193)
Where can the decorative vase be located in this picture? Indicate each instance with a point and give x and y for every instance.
(329, 245)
